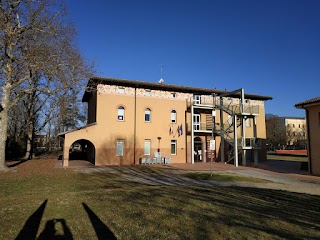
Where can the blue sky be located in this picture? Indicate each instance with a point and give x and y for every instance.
(269, 47)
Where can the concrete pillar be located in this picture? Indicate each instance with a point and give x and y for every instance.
(236, 160)
(192, 134)
(65, 158)
(221, 130)
(256, 156)
(244, 157)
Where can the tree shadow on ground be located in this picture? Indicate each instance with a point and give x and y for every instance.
(16, 163)
(102, 231)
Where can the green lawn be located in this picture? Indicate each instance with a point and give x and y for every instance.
(61, 204)
(295, 158)
(222, 177)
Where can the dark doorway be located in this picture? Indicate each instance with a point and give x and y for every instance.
(198, 152)
(82, 150)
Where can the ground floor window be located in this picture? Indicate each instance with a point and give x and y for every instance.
(120, 147)
(147, 147)
(173, 147)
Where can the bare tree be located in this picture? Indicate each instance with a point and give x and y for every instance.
(38, 60)
(276, 132)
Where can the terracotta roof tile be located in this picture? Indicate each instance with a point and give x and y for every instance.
(157, 86)
(307, 102)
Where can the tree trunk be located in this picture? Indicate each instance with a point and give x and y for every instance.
(30, 125)
(29, 150)
(4, 126)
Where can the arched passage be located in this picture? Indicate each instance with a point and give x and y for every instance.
(82, 150)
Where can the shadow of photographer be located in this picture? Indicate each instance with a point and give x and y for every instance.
(58, 228)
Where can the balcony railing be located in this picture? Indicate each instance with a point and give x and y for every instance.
(227, 104)
(252, 143)
(200, 127)
(203, 100)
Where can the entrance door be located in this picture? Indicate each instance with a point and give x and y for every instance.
(198, 150)
(196, 122)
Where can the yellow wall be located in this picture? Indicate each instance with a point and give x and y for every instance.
(108, 129)
(314, 139)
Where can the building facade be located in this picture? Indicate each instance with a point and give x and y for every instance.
(286, 132)
(130, 121)
(312, 108)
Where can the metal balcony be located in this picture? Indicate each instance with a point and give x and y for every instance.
(228, 105)
(202, 101)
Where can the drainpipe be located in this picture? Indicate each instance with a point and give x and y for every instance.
(135, 125)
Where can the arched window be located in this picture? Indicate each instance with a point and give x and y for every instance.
(173, 116)
(147, 115)
(120, 113)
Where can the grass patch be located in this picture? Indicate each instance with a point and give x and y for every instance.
(103, 205)
(222, 177)
(294, 158)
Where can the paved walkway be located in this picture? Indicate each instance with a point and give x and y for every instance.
(281, 175)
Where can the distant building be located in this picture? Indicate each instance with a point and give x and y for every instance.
(312, 108)
(132, 122)
(40, 141)
(286, 132)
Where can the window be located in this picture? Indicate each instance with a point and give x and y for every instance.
(196, 121)
(120, 90)
(120, 113)
(173, 116)
(147, 115)
(248, 122)
(147, 92)
(173, 95)
(229, 120)
(147, 147)
(120, 147)
(293, 125)
(173, 147)
(196, 99)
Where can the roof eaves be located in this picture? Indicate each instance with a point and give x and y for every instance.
(93, 81)
(310, 102)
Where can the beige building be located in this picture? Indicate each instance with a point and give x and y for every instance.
(134, 122)
(312, 108)
(286, 131)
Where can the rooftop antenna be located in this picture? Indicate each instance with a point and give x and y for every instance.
(161, 72)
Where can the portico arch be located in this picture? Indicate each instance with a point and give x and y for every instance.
(82, 149)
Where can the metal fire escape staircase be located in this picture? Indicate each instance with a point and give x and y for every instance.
(228, 130)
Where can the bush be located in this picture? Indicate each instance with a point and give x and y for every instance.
(14, 150)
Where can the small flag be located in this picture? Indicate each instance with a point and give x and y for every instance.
(180, 129)
(170, 131)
